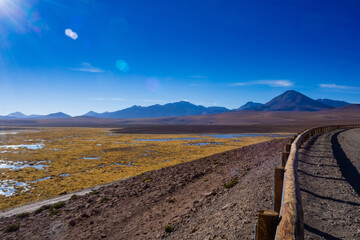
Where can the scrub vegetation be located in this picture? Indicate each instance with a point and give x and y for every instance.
(11, 228)
(78, 158)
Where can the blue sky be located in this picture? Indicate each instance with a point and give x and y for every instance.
(77, 56)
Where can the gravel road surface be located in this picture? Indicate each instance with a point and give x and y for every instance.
(329, 177)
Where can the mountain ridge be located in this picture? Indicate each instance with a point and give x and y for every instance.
(20, 115)
(333, 103)
(290, 100)
(249, 106)
(176, 109)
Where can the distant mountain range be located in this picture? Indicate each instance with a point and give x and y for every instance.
(175, 109)
(288, 101)
(292, 101)
(19, 115)
(333, 103)
(250, 106)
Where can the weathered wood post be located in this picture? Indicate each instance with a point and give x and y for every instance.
(278, 187)
(284, 158)
(266, 225)
(287, 147)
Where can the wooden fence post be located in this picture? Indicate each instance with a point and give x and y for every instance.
(266, 225)
(291, 225)
(287, 147)
(278, 187)
(284, 158)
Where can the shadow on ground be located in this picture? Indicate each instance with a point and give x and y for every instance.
(348, 170)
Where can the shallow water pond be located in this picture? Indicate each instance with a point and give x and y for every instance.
(166, 139)
(128, 165)
(8, 132)
(41, 179)
(204, 143)
(9, 187)
(91, 158)
(19, 165)
(28, 146)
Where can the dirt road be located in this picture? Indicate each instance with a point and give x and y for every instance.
(330, 185)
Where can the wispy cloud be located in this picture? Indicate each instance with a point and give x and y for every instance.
(87, 67)
(106, 99)
(272, 83)
(71, 34)
(335, 86)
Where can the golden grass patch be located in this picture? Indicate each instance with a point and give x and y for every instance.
(78, 158)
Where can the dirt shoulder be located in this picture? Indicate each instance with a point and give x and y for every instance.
(189, 197)
(329, 181)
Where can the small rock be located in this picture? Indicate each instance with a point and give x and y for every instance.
(226, 206)
(72, 223)
(57, 226)
(194, 229)
(209, 194)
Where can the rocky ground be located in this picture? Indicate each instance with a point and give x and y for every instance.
(330, 185)
(189, 200)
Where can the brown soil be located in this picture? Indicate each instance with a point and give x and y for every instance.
(203, 129)
(189, 197)
(330, 185)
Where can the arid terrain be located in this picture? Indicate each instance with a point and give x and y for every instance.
(234, 122)
(212, 197)
(45, 162)
(209, 198)
(181, 120)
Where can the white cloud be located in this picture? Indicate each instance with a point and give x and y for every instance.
(71, 34)
(87, 67)
(335, 86)
(272, 83)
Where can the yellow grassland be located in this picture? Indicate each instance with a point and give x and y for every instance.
(65, 149)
